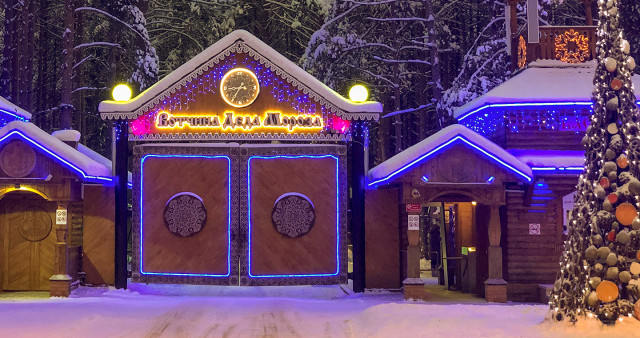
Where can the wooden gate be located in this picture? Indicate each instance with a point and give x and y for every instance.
(28, 243)
(293, 215)
(240, 215)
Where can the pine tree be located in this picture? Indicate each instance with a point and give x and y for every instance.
(599, 269)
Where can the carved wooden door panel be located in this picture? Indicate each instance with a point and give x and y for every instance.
(293, 215)
(185, 215)
(28, 243)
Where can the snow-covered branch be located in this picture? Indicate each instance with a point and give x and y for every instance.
(97, 44)
(91, 9)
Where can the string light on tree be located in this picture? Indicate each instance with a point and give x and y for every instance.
(595, 278)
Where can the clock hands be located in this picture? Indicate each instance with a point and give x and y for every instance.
(237, 90)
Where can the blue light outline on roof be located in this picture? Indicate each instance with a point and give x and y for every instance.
(527, 104)
(141, 269)
(18, 117)
(441, 147)
(337, 214)
(55, 156)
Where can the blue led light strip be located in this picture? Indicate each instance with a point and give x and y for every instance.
(18, 117)
(527, 104)
(441, 147)
(57, 157)
(567, 170)
(228, 217)
(337, 213)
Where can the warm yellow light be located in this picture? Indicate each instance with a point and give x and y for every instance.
(472, 249)
(121, 93)
(358, 93)
(474, 203)
(23, 188)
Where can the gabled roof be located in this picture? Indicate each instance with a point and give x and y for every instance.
(239, 41)
(11, 109)
(422, 151)
(542, 82)
(79, 163)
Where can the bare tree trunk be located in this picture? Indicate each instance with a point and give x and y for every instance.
(436, 85)
(7, 60)
(66, 88)
(26, 57)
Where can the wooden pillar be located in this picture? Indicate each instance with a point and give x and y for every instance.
(495, 285)
(60, 282)
(357, 205)
(588, 12)
(413, 285)
(121, 180)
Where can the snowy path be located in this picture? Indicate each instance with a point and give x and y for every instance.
(197, 311)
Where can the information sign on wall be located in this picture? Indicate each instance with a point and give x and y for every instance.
(61, 216)
(414, 222)
(534, 228)
(413, 207)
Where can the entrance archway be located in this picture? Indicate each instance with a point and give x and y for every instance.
(27, 241)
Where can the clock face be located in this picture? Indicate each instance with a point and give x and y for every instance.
(239, 87)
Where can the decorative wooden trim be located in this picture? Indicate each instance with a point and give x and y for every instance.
(238, 47)
(239, 137)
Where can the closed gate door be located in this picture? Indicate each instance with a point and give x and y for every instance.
(28, 243)
(292, 212)
(240, 215)
(183, 216)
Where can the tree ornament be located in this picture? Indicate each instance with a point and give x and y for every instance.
(607, 291)
(612, 197)
(594, 282)
(612, 259)
(616, 84)
(610, 166)
(591, 253)
(626, 47)
(622, 161)
(634, 186)
(624, 276)
(631, 63)
(611, 64)
(635, 268)
(610, 154)
(603, 252)
(606, 205)
(613, 11)
(612, 273)
(636, 310)
(626, 213)
(623, 237)
(596, 240)
(593, 300)
(610, 3)
(613, 176)
(612, 128)
(612, 104)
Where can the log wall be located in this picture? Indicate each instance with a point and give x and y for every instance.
(99, 235)
(382, 242)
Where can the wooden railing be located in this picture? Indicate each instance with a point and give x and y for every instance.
(573, 44)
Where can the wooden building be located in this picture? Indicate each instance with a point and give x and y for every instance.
(56, 214)
(249, 183)
(506, 172)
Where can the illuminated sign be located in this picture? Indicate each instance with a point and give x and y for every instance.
(231, 120)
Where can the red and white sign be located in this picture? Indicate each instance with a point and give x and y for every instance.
(534, 228)
(412, 207)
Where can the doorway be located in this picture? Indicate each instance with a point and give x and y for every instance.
(451, 246)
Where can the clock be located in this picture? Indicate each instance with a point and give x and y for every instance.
(239, 87)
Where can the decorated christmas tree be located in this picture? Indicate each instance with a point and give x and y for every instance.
(599, 269)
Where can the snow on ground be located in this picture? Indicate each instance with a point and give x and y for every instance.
(298, 311)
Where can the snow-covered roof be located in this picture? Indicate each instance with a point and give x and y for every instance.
(543, 81)
(12, 109)
(421, 151)
(239, 40)
(567, 162)
(85, 166)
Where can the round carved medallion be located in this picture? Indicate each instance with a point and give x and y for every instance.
(185, 214)
(293, 215)
(17, 159)
(34, 223)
